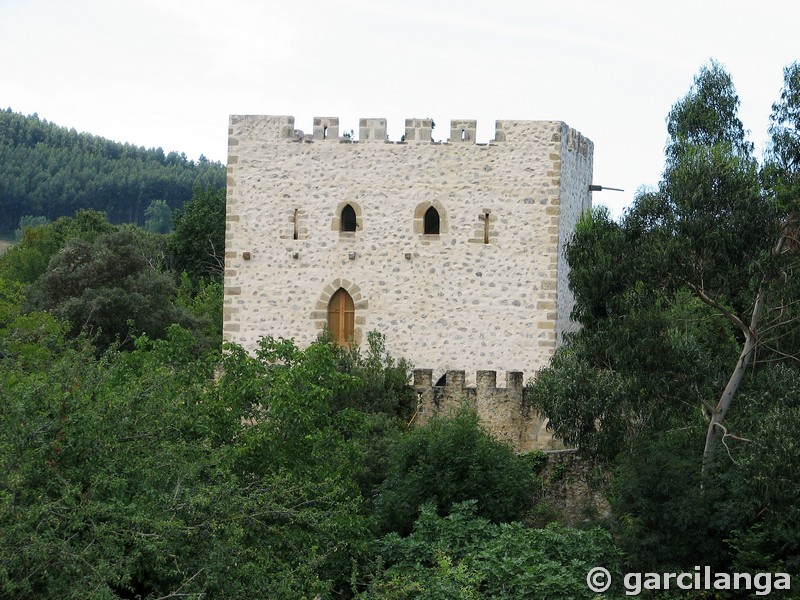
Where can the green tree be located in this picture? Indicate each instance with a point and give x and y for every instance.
(709, 230)
(27, 221)
(782, 168)
(647, 365)
(158, 217)
(689, 307)
(111, 286)
(27, 260)
(197, 243)
(723, 235)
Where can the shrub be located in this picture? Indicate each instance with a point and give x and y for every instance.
(450, 460)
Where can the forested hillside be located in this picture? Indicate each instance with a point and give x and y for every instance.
(50, 171)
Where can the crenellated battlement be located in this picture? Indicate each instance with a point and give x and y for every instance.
(502, 410)
(417, 130)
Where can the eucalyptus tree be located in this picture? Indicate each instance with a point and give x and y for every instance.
(718, 230)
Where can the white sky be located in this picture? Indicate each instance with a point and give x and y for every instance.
(168, 73)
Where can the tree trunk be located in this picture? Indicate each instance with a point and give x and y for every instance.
(721, 409)
(750, 341)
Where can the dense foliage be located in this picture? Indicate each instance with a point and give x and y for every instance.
(114, 282)
(140, 474)
(685, 373)
(139, 461)
(131, 475)
(92, 285)
(50, 171)
(449, 461)
(462, 556)
(198, 244)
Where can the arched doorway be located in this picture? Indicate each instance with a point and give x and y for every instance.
(342, 317)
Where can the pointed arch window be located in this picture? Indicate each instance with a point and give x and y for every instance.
(348, 220)
(342, 317)
(431, 221)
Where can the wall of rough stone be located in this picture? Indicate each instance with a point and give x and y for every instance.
(502, 410)
(576, 176)
(575, 489)
(447, 301)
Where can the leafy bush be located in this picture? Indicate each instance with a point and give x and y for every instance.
(135, 475)
(381, 384)
(451, 460)
(463, 556)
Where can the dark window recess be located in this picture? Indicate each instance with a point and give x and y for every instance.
(432, 221)
(348, 219)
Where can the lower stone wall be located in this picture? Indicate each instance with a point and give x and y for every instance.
(502, 410)
(573, 490)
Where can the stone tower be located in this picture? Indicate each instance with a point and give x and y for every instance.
(454, 250)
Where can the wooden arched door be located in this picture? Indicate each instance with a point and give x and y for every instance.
(342, 317)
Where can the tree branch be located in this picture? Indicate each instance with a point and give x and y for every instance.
(177, 593)
(725, 435)
(727, 313)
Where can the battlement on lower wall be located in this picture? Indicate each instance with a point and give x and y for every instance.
(502, 410)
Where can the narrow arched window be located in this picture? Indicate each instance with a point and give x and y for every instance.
(348, 222)
(342, 317)
(431, 221)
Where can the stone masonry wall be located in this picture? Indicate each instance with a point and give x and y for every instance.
(447, 301)
(576, 176)
(502, 410)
